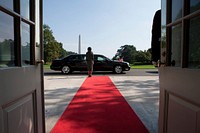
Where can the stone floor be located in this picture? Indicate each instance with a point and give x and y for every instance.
(141, 92)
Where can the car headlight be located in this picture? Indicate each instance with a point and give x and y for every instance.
(126, 63)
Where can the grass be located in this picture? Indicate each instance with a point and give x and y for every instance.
(142, 66)
(47, 65)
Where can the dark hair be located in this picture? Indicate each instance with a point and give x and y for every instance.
(89, 48)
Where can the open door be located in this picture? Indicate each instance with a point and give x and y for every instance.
(21, 71)
(179, 69)
(156, 36)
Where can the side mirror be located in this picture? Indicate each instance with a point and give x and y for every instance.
(156, 36)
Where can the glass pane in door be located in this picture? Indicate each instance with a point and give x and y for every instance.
(176, 45)
(194, 5)
(7, 54)
(25, 43)
(7, 4)
(163, 24)
(37, 23)
(177, 9)
(25, 8)
(194, 43)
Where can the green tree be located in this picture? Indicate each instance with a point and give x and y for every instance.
(128, 52)
(143, 57)
(48, 35)
(48, 42)
(131, 55)
(52, 51)
(52, 48)
(63, 52)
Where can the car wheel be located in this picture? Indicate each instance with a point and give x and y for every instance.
(66, 69)
(118, 69)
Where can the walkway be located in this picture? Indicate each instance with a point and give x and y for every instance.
(141, 92)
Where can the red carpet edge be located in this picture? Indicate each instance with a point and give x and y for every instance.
(99, 107)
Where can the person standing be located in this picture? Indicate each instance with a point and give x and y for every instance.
(90, 61)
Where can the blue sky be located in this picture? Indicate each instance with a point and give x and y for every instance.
(104, 25)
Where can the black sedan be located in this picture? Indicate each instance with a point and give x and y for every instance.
(77, 62)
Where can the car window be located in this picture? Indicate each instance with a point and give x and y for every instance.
(99, 58)
(75, 58)
(84, 57)
(68, 58)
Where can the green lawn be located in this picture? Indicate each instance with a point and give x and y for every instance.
(47, 65)
(142, 66)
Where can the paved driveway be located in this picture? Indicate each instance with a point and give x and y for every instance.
(132, 72)
(139, 89)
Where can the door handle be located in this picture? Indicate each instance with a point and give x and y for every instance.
(40, 61)
(161, 63)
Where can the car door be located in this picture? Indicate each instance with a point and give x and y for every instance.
(73, 61)
(83, 63)
(101, 63)
(108, 64)
(98, 63)
(77, 62)
(179, 67)
(21, 69)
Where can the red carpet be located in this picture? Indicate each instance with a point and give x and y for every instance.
(98, 107)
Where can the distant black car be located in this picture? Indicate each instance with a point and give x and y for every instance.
(77, 62)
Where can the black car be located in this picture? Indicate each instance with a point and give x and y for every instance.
(77, 62)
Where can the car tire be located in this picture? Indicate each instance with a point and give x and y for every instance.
(66, 69)
(118, 69)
